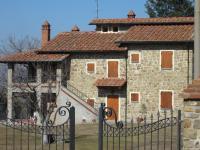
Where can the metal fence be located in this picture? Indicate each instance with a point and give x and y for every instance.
(19, 134)
(3, 109)
(154, 132)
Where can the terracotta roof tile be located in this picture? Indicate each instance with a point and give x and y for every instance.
(31, 56)
(110, 82)
(83, 41)
(158, 33)
(192, 91)
(167, 20)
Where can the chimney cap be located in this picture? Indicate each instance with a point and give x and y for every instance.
(46, 23)
(75, 28)
(131, 14)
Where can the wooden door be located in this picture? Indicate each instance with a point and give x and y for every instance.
(113, 69)
(113, 102)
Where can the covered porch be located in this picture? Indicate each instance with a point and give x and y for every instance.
(29, 72)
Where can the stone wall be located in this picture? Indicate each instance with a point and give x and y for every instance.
(84, 82)
(148, 79)
(191, 135)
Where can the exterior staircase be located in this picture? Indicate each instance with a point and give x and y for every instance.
(78, 96)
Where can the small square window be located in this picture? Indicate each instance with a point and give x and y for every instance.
(105, 29)
(134, 97)
(90, 68)
(115, 29)
(135, 58)
(90, 102)
(166, 100)
(98, 28)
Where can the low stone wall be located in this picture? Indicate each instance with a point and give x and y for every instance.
(191, 134)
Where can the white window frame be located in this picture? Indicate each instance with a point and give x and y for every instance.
(119, 74)
(172, 91)
(131, 57)
(162, 69)
(139, 97)
(94, 68)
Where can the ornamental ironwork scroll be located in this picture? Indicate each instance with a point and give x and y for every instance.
(27, 125)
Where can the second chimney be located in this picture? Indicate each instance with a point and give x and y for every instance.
(46, 33)
(131, 14)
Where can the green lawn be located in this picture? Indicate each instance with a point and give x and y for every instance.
(86, 139)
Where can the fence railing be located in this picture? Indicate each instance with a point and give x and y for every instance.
(26, 134)
(162, 131)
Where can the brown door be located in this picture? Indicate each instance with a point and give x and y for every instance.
(113, 102)
(113, 69)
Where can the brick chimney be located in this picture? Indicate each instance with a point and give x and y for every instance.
(46, 31)
(131, 14)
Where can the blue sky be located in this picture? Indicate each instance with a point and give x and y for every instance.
(24, 17)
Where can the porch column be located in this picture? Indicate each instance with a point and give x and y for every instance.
(39, 82)
(191, 134)
(58, 77)
(10, 92)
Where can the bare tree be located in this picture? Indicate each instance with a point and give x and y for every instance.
(12, 44)
(43, 106)
(21, 77)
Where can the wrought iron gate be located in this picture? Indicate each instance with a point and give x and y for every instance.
(162, 132)
(25, 134)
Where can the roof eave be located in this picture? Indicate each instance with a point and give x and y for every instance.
(36, 61)
(143, 23)
(152, 42)
(76, 51)
(25, 62)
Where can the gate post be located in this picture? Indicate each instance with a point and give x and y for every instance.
(191, 134)
(179, 131)
(72, 128)
(100, 134)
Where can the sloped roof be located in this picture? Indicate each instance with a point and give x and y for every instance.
(166, 20)
(32, 56)
(151, 33)
(84, 42)
(110, 82)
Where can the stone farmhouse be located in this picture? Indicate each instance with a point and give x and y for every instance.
(143, 63)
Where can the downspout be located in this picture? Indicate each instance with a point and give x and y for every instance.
(196, 40)
(126, 103)
(188, 63)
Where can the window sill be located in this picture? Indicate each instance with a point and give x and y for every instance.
(163, 69)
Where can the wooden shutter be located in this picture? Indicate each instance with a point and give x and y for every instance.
(90, 67)
(113, 69)
(134, 97)
(166, 100)
(90, 102)
(135, 58)
(166, 59)
(113, 102)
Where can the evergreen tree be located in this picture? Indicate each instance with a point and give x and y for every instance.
(169, 8)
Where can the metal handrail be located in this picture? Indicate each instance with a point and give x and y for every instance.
(75, 91)
(25, 79)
